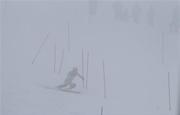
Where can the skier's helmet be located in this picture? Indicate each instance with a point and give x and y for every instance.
(75, 69)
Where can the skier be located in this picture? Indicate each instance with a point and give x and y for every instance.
(68, 82)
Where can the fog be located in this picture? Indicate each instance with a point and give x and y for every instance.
(90, 58)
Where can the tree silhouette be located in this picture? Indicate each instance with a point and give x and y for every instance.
(175, 21)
